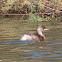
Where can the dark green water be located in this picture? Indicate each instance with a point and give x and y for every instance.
(14, 50)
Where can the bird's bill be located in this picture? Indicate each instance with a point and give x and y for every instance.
(46, 29)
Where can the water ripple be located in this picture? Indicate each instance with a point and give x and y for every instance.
(52, 56)
(59, 58)
(39, 55)
(55, 44)
(59, 51)
(0, 56)
(18, 42)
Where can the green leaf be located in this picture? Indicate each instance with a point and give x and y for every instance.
(10, 1)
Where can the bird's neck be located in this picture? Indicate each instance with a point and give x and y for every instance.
(41, 34)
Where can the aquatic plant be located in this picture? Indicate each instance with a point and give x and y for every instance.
(36, 18)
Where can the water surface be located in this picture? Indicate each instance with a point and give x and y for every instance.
(14, 50)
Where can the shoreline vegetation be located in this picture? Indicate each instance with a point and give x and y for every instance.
(30, 6)
(36, 9)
